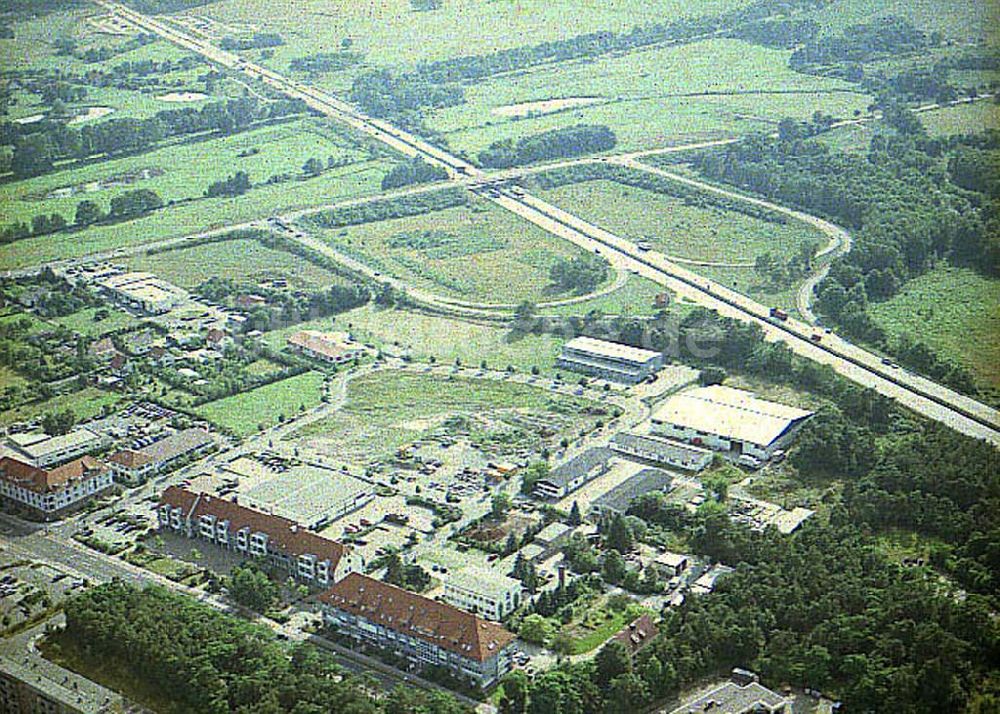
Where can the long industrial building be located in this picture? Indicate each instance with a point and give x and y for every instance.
(612, 361)
(729, 420)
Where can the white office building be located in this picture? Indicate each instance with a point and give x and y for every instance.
(483, 592)
(612, 361)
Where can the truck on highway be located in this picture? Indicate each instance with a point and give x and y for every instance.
(779, 314)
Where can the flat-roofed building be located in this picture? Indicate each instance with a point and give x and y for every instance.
(304, 555)
(661, 451)
(307, 493)
(483, 592)
(670, 564)
(731, 698)
(728, 420)
(424, 632)
(612, 361)
(571, 475)
(142, 291)
(48, 494)
(133, 466)
(43, 450)
(332, 347)
(618, 499)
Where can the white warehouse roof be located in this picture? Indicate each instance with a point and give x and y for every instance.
(730, 413)
(612, 350)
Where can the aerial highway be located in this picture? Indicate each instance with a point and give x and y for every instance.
(918, 393)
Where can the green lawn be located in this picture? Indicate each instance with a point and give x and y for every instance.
(953, 310)
(10, 378)
(385, 410)
(243, 413)
(597, 623)
(653, 98)
(636, 298)
(243, 260)
(425, 336)
(83, 321)
(478, 252)
(85, 404)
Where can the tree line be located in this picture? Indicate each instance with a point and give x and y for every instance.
(37, 146)
(204, 660)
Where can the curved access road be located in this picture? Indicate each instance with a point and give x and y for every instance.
(838, 243)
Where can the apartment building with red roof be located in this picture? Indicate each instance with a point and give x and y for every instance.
(50, 493)
(423, 631)
(306, 556)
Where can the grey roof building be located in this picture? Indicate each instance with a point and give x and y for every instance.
(618, 499)
(661, 451)
(568, 477)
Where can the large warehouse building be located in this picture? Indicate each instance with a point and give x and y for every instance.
(609, 360)
(729, 420)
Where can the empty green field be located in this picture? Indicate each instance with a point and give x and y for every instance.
(385, 410)
(391, 33)
(243, 260)
(636, 298)
(651, 98)
(85, 404)
(422, 337)
(477, 252)
(84, 321)
(962, 119)
(678, 229)
(265, 406)
(955, 311)
(186, 218)
(180, 172)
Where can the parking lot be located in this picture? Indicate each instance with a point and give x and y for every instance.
(29, 589)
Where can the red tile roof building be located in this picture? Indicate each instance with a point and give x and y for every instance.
(424, 631)
(333, 347)
(306, 556)
(48, 493)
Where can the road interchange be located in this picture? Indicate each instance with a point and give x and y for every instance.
(928, 398)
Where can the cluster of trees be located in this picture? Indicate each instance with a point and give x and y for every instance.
(257, 41)
(904, 211)
(40, 225)
(783, 272)
(373, 211)
(944, 486)
(37, 146)
(58, 422)
(405, 575)
(416, 170)
(235, 185)
(285, 307)
(579, 275)
(251, 587)
(575, 140)
(207, 661)
(325, 62)
(860, 43)
(383, 93)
